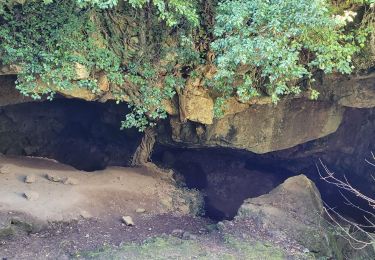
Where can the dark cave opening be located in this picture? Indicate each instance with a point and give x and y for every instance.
(226, 177)
(87, 136)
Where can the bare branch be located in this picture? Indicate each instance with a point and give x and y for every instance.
(339, 220)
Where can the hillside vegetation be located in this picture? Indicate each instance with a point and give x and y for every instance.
(144, 52)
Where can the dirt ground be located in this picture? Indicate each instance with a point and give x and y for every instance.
(115, 190)
(84, 212)
(81, 218)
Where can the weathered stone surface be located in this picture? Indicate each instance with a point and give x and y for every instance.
(10, 69)
(353, 91)
(81, 93)
(195, 103)
(53, 177)
(264, 128)
(30, 178)
(233, 106)
(140, 210)
(128, 220)
(256, 126)
(81, 71)
(103, 82)
(295, 208)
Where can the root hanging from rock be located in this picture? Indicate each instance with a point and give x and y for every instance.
(143, 153)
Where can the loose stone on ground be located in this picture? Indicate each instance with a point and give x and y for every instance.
(30, 179)
(31, 195)
(128, 220)
(52, 177)
(140, 210)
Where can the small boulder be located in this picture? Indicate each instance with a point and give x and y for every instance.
(128, 220)
(31, 195)
(70, 181)
(140, 210)
(30, 179)
(294, 208)
(52, 177)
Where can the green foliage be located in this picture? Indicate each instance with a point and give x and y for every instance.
(262, 47)
(50, 49)
(171, 11)
(103, 4)
(274, 46)
(148, 106)
(52, 39)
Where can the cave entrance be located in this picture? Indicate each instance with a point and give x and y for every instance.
(85, 135)
(226, 177)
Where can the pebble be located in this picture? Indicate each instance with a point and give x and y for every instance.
(52, 177)
(31, 195)
(128, 220)
(140, 210)
(30, 179)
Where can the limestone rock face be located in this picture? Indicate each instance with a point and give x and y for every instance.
(257, 126)
(264, 128)
(195, 103)
(295, 208)
(80, 93)
(81, 71)
(10, 70)
(356, 92)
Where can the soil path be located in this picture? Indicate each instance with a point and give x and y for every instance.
(115, 190)
(85, 213)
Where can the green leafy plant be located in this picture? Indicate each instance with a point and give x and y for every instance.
(262, 47)
(273, 47)
(52, 50)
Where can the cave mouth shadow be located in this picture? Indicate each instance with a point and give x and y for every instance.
(82, 134)
(225, 177)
